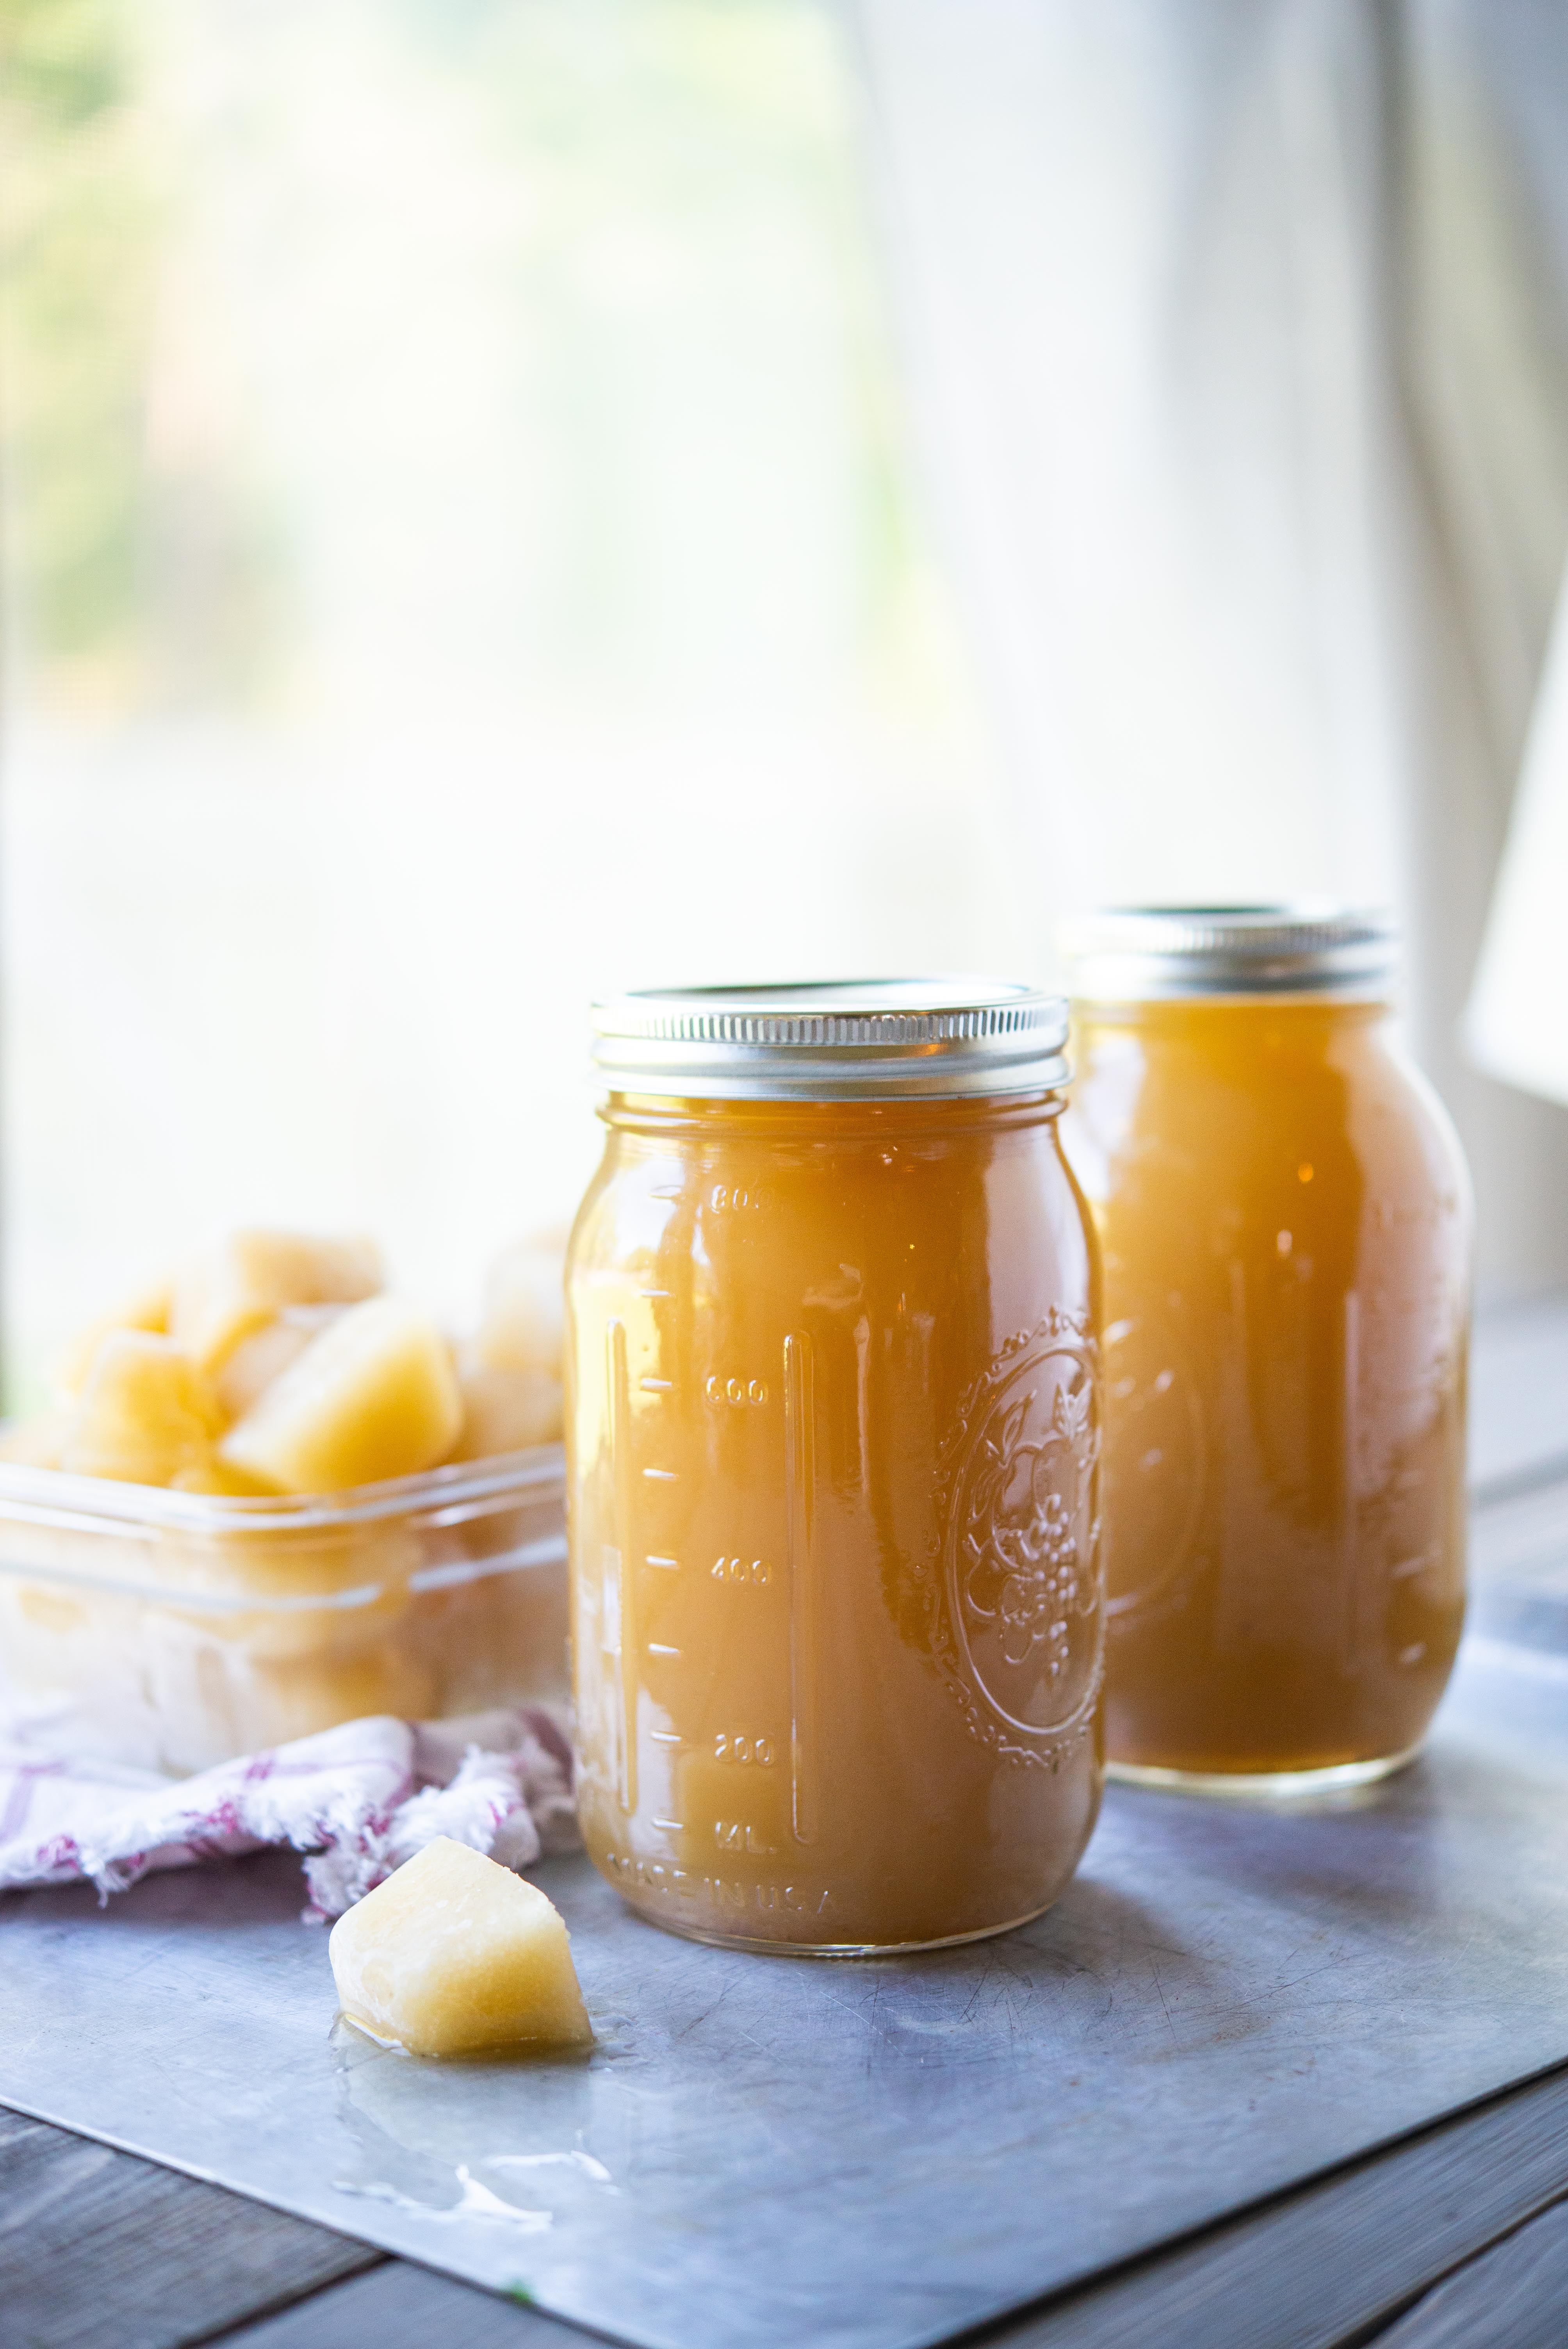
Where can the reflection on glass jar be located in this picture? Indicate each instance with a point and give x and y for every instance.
(832, 1431)
(1284, 1225)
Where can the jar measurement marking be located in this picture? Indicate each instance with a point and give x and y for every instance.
(662, 1475)
(676, 1826)
(739, 1834)
(657, 1386)
(800, 1469)
(657, 1648)
(752, 1572)
(624, 1581)
(653, 1292)
(733, 1199)
(668, 1191)
(652, 1558)
(667, 1736)
(730, 1745)
(736, 1391)
(730, 1892)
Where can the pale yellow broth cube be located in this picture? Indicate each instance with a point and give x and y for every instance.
(210, 1475)
(524, 1321)
(145, 1414)
(454, 1954)
(221, 1296)
(374, 1396)
(147, 1310)
(266, 1354)
(293, 1600)
(505, 1410)
(294, 1696)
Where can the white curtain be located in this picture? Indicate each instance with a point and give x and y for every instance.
(1239, 330)
(1517, 1020)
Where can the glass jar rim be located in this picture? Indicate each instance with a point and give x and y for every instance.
(1299, 946)
(833, 1040)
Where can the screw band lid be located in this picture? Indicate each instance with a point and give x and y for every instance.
(1135, 953)
(833, 1040)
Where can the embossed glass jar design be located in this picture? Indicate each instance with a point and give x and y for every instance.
(832, 1437)
(1284, 1223)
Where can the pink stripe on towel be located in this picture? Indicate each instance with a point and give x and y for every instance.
(360, 1800)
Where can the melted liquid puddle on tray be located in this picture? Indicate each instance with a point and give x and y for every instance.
(440, 2141)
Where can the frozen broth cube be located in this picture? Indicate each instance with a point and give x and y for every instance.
(267, 1353)
(375, 1395)
(210, 1475)
(505, 1410)
(145, 1414)
(309, 1689)
(149, 1309)
(236, 1288)
(524, 1322)
(453, 1954)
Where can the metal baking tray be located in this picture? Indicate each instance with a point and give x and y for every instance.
(762, 2151)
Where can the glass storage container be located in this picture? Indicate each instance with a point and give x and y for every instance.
(175, 1630)
(1285, 1223)
(833, 1429)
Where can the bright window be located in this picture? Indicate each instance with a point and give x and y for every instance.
(459, 557)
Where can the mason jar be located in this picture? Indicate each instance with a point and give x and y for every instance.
(1284, 1225)
(832, 1436)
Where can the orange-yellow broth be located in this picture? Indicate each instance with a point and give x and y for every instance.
(1285, 1227)
(833, 1426)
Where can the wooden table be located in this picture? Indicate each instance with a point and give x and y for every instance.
(1454, 2238)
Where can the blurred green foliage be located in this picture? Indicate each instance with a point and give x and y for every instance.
(61, 57)
(76, 243)
(690, 217)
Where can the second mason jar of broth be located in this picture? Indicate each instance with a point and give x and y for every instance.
(1284, 1222)
(833, 1426)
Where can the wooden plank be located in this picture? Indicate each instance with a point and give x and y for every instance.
(100, 2250)
(1515, 2296)
(398, 2306)
(1317, 2269)
(1321, 2269)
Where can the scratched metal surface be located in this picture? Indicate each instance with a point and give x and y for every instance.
(762, 2151)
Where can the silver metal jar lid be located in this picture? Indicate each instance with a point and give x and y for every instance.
(1135, 953)
(838, 1039)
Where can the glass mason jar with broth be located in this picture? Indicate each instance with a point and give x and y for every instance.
(1285, 1220)
(832, 1428)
